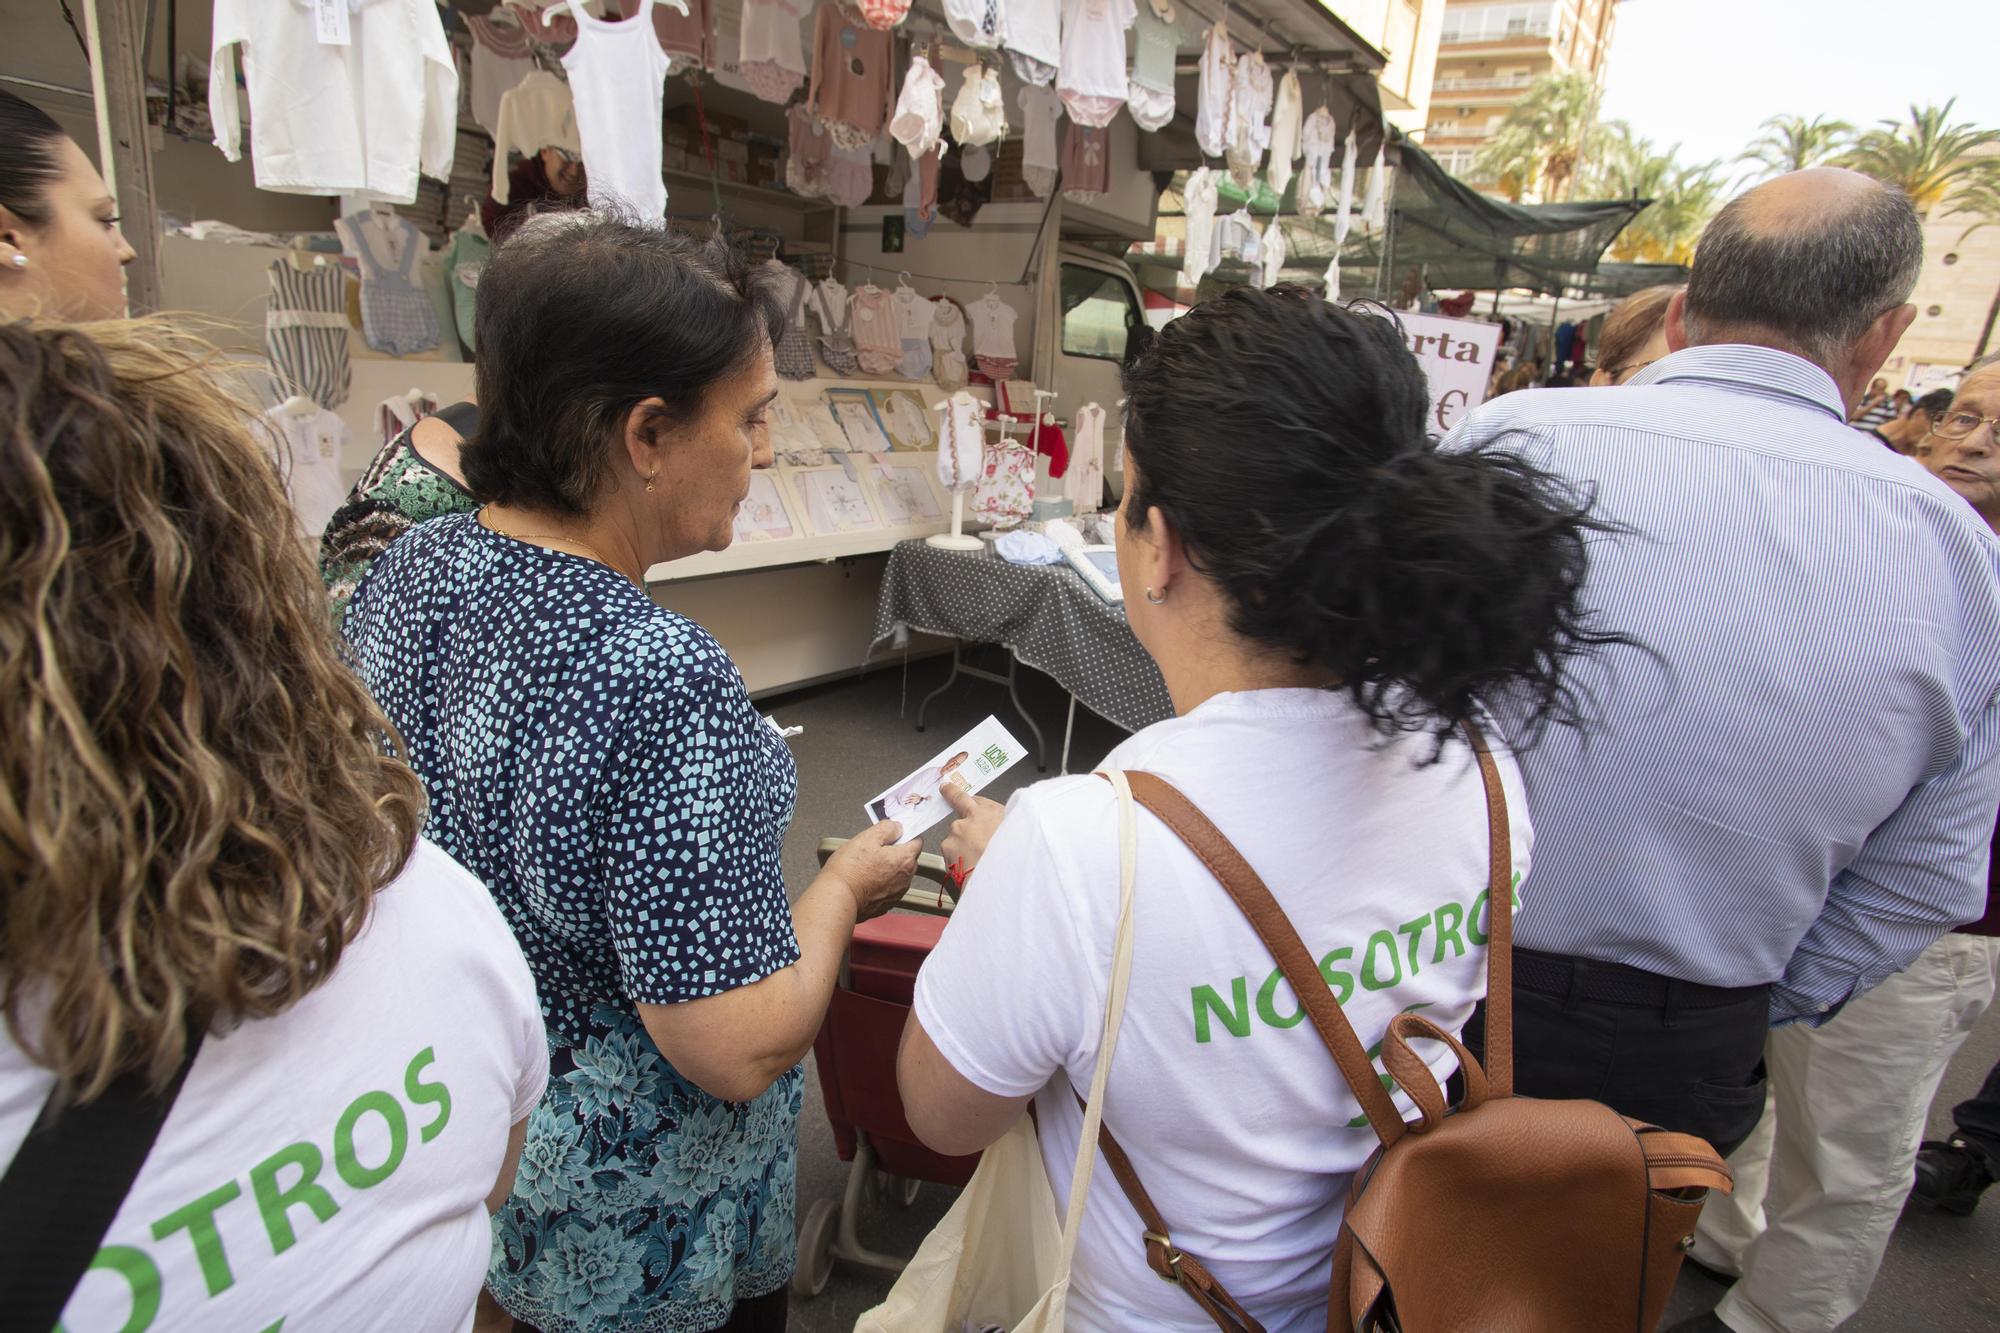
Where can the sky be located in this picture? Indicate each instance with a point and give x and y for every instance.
(1705, 73)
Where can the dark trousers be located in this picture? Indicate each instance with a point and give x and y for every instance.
(757, 1314)
(1978, 1121)
(1676, 1054)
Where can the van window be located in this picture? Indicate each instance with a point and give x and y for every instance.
(1097, 313)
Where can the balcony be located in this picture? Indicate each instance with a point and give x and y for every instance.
(1489, 84)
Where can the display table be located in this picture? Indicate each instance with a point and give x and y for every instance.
(1045, 615)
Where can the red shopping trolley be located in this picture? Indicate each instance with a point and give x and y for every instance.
(856, 1055)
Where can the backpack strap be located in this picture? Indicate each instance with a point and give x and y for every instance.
(67, 1181)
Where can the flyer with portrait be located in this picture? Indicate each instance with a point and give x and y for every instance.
(975, 759)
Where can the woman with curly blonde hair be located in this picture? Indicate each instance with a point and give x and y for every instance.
(214, 882)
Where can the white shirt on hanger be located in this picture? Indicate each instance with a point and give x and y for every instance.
(992, 327)
(1034, 30)
(1092, 76)
(1215, 96)
(1198, 206)
(1316, 179)
(536, 113)
(307, 439)
(618, 76)
(363, 118)
(1285, 132)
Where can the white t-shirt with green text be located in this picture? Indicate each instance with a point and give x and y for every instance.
(328, 1168)
(1234, 1114)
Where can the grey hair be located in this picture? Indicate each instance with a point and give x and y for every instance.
(1815, 288)
(1990, 359)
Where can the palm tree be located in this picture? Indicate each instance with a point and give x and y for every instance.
(1793, 143)
(1684, 197)
(1925, 157)
(1539, 148)
(1979, 197)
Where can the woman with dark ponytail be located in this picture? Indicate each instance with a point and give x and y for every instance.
(1329, 598)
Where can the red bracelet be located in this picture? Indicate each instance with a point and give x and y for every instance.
(959, 874)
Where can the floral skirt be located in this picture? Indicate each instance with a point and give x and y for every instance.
(643, 1203)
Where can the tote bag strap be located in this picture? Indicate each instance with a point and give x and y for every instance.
(1114, 1014)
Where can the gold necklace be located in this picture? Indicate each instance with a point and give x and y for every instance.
(584, 546)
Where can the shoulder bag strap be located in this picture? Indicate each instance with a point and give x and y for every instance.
(66, 1183)
(1498, 1061)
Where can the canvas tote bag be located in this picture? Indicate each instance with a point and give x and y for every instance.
(999, 1257)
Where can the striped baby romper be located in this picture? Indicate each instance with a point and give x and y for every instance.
(305, 332)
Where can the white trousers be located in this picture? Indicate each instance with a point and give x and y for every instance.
(1820, 1183)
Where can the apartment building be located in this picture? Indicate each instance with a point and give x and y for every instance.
(1489, 53)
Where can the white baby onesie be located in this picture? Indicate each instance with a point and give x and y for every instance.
(1092, 78)
(772, 49)
(1215, 98)
(1199, 207)
(1316, 177)
(992, 328)
(618, 76)
(1274, 252)
(978, 113)
(1034, 39)
(1083, 483)
(1250, 126)
(977, 23)
(961, 443)
(1150, 94)
(919, 118)
(1343, 216)
(1285, 131)
(1040, 108)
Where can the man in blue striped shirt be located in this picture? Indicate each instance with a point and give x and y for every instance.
(1792, 789)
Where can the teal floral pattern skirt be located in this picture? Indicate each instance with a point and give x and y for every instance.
(643, 1204)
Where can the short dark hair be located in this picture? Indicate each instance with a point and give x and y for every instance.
(1817, 287)
(28, 140)
(581, 317)
(1935, 403)
(1284, 439)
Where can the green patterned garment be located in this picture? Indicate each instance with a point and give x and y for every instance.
(400, 490)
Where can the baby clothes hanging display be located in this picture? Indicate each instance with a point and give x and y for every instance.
(851, 76)
(883, 13)
(1316, 176)
(1040, 162)
(920, 193)
(978, 23)
(398, 412)
(1086, 162)
(396, 316)
(1237, 237)
(1250, 124)
(947, 343)
(961, 443)
(1005, 495)
(1149, 95)
(1332, 280)
(919, 118)
(1343, 216)
(1034, 39)
(305, 332)
(306, 441)
(618, 76)
(850, 176)
(536, 113)
(873, 321)
(792, 357)
(500, 58)
(836, 337)
(993, 336)
(809, 166)
(978, 113)
(976, 163)
(393, 88)
(771, 56)
(464, 260)
(1047, 440)
(1371, 207)
(1091, 76)
(1285, 132)
(1198, 206)
(556, 30)
(1215, 94)
(1083, 484)
(913, 329)
(1272, 253)
(688, 39)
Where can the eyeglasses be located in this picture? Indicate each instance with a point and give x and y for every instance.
(567, 156)
(1619, 374)
(1958, 425)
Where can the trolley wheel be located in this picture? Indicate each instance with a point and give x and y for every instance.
(899, 1190)
(815, 1259)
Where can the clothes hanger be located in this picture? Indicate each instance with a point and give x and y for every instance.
(575, 8)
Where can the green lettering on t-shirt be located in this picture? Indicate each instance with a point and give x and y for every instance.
(141, 1274)
(1447, 916)
(1371, 975)
(274, 1203)
(1267, 1008)
(1414, 932)
(1341, 982)
(199, 1220)
(1236, 1018)
(427, 1094)
(346, 1162)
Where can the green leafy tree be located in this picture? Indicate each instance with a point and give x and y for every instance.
(1978, 198)
(1684, 196)
(1540, 146)
(1925, 157)
(1793, 143)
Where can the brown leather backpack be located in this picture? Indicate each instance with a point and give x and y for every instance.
(1503, 1213)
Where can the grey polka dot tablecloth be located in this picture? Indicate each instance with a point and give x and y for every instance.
(1046, 614)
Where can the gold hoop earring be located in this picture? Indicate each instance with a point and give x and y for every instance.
(1156, 601)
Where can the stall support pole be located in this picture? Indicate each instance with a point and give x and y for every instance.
(118, 86)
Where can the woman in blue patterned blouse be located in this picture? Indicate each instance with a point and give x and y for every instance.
(596, 760)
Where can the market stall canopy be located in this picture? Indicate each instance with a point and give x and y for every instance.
(1335, 64)
(1624, 279)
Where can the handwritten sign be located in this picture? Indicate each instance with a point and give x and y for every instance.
(1457, 357)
